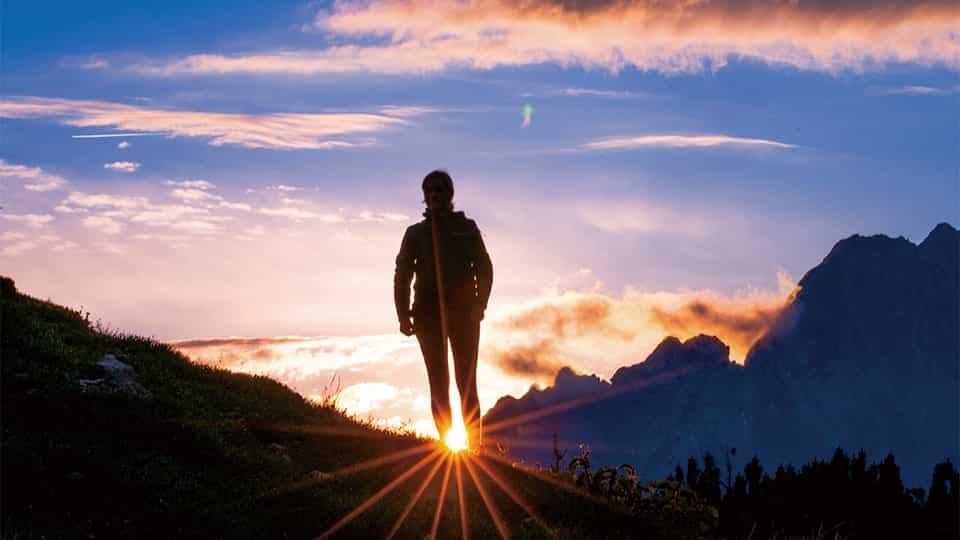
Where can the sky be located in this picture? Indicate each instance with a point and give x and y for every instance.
(238, 180)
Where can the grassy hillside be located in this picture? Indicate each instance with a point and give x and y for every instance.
(202, 452)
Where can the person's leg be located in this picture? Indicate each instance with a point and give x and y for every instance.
(432, 347)
(465, 340)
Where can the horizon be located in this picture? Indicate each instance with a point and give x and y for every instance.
(251, 173)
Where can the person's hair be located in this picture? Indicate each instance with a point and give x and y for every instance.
(441, 176)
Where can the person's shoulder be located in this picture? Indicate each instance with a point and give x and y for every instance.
(418, 227)
(463, 217)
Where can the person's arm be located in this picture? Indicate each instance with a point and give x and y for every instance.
(403, 275)
(484, 269)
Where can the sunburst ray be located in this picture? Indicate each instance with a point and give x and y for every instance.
(384, 460)
(350, 469)
(487, 500)
(443, 497)
(515, 497)
(379, 495)
(464, 528)
(416, 497)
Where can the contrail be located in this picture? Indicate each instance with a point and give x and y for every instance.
(102, 135)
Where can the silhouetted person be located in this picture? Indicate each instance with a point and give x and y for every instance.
(467, 276)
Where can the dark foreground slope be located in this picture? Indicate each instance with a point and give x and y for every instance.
(188, 451)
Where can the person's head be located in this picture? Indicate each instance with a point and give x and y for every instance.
(438, 190)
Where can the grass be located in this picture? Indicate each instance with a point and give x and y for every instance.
(214, 454)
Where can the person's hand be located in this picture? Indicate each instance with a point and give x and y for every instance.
(406, 326)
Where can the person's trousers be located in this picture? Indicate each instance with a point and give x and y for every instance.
(464, 335)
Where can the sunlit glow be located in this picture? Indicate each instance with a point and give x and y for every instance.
(456, 439)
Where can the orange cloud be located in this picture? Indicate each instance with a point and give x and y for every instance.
(595, 332)
(737, 325)
(228, 342)
(537, 361)
(672, 36)
(588, 315)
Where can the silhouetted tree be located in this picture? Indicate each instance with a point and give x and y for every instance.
(754, 473)
(943, 504)
(856, 500)
(708, 485)
(693, 473)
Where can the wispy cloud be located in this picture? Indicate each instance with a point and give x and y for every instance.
(113, 136)
(98, 63)
(251, 233)
(297, 359)
(111, 248)
(32, 220)
(191, 184)
(194, 195)
(122, 202)
(104, 224)
(367, 215)
(16, 243)
(405, 111)
(680, 141)
(123, 144)
(122, 166)
(283, 131)
(678, 37)
(37, 178)
(139, 210)
(590, 92)
(64, 209)
(297, 214)
(234, 206)
(918, 90)
(283, 187)
(16, 247)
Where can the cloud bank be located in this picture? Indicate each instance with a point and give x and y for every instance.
(672, 36)
(598, 332)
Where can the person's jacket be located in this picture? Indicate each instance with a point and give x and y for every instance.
(467, 270)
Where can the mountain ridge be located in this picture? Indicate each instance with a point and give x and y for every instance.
(878, 314)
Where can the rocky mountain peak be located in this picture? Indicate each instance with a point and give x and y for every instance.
(672, 355)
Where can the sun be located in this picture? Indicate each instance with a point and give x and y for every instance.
(456, 439)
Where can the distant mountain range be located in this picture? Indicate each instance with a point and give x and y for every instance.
(866, 354)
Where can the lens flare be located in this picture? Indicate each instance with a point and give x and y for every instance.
(527, 115)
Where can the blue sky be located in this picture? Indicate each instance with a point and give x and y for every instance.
(821, 137)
